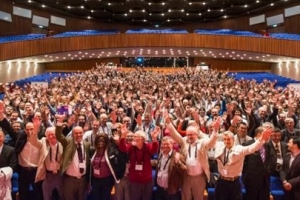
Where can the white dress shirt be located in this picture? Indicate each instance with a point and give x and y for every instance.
(162, 173)
(29, 156)
(192, 161)
(73, 168)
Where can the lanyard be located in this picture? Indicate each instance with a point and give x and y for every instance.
(101, 157)
(56, 156)
(196, 148)
(226, 156)
(160, 160)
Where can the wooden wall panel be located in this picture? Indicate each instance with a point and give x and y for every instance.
(22, 25)
(78, 65)
(55, 45)
(234, 65)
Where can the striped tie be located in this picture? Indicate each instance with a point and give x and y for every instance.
(262, 153)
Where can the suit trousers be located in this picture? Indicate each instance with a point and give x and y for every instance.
(257, 187)
(26, 179)
(75, 188)
(228, 190)
(193, 187)
(140, 191)
(52, 182)
(162, 194)
(122, 189)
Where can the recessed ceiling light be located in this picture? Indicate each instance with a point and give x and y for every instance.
(69, 7)
(272, 4)
(43, 6)
(82, 7)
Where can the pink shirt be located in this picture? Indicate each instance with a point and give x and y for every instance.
(99, 163)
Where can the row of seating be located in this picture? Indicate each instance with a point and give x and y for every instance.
(15, 38)
(261, 76)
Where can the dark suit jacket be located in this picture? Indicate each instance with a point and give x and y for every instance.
(8, 157)
(176, 172)
(292, 175)
(286, 136)
(254, 167)
(19, 139)
(273, 155)
(69, 146)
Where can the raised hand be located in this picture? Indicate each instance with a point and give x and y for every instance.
(266, 134)
(124, 130)
(166, 117)
(217, 124)
(155, 133)
(139, 120)
(1, 106)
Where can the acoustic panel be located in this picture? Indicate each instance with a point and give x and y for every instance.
(41, 21)
(5, 16)
(22, 12)
(57, 20)
(276, 19)
(257, 19)
(292, 11)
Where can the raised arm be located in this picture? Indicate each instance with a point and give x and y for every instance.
(174, 134)
(33, 139)
(58, 131)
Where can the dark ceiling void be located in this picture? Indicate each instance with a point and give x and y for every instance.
(153, 12)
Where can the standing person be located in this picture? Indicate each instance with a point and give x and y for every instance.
(195, 151)
(49, 161)
(122, 188)
(107, 167)
(75, 162)
(278, 151)
(140, 171)
(256, 171)
(290, 173)
(28, 156)
(90, 135)
(8, 162)
(170, 171)
(230, 160)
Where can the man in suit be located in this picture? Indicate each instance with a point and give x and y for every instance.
(241, 136)
(7, 154)
(170, 170)
(256, 171)
(8, 162)
(27, 157)
(290, 173)
(278, 151)
(75, 162)
(289, 130)
(262, 116)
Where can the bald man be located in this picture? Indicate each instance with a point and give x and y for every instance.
(75, 162)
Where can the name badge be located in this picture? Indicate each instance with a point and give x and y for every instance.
(225, 172)
(279, 161)
(159, 174)
(211, 154)
(97, 171)
(54, 166)
(82, 165)
(191, 161)
(138, 167)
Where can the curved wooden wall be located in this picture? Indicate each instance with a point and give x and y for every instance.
(54, 45)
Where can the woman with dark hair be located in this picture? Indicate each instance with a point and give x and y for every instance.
(107, 167)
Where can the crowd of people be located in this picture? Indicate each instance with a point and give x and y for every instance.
(89, 132)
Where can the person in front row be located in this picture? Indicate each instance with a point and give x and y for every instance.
(75, 162)
(140, 171)
(230, 160)
(290, 172)
(107, 167)
(49, 161)
(170, 171)
(195, 151)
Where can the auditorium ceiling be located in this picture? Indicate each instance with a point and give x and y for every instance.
(156, 52)
(157, 12)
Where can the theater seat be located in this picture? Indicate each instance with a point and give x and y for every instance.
(276, 188)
